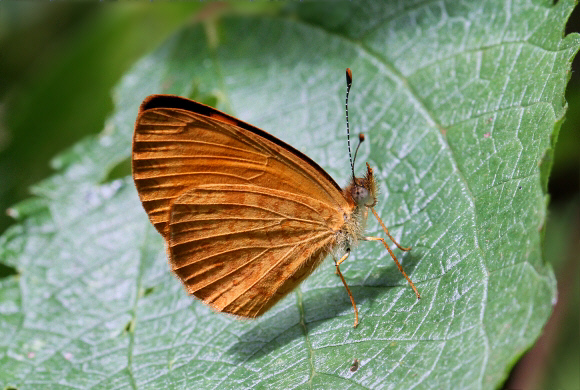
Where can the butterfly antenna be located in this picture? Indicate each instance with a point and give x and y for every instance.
(361, 138)
(348, 84)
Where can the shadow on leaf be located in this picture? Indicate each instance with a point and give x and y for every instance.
(320, 306)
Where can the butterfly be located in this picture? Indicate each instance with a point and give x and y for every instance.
(245, 217)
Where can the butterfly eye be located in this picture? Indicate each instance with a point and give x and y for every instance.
(361, 196)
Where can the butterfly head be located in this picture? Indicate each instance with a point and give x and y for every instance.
(363, 190)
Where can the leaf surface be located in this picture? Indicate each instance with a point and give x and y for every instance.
(461, 105)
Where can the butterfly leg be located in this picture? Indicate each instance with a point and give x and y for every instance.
(343, 258)
(337, 264)
(396, 261)
(389, 234)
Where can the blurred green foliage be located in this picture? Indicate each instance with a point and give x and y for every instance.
(58, 63)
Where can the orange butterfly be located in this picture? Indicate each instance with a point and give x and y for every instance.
(246, 217)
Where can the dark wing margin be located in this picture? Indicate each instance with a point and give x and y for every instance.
(178, 102)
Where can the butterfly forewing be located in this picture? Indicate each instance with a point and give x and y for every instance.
(177, 148)
(246, 217)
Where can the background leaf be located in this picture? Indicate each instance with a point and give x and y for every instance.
(58, 65)
(461, 105)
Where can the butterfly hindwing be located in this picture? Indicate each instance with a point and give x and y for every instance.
(240, 248)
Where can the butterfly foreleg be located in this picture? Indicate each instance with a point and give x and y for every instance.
(389, 234)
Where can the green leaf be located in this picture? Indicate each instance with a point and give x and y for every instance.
(461, 105)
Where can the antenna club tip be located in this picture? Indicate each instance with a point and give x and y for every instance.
(361, 137)
(348, 76)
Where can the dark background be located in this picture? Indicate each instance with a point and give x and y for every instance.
(59, 63)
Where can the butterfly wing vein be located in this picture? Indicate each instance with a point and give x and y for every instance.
(241, 264)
